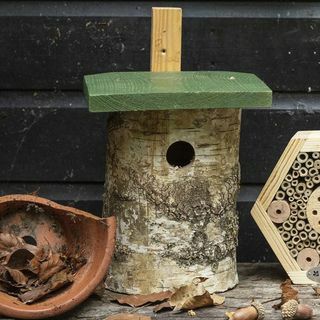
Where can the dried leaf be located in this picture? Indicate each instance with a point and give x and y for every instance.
(140, 300)
(316, 290)
(58, 281)
(50, 267)
(17, 276)
(162, 306)
(19, 259)
(194, 296)
(128, 316)
(9, 242)
(288, 293)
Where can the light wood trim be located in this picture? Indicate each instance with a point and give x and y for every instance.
(166, 37)
(273, 237)
(300, 277)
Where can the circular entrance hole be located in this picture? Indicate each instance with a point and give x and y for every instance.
(180, 154)
(278, 211)
(308, 259)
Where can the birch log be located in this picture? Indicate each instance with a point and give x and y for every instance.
(175, 221)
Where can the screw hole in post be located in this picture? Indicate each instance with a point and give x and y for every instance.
(163, 51)
(180, 154)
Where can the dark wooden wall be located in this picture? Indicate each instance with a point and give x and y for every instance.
(49, 142)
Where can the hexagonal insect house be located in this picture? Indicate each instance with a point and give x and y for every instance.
(172, 175)
(288, 208)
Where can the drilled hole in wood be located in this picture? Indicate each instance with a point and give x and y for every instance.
(180, 154)
(278, 211)
(163, 51)
(315, 212)
(319, 199)
(308, 259)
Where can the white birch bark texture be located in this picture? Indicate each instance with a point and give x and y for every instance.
(175, 222)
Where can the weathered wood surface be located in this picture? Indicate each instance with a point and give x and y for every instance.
(133, 91)
(61, 41)
(259, 281)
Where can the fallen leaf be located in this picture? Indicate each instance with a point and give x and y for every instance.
(19, 259)
(194, 296)
(288, 293)
(316, 290)
(57, 281)
(128, 316)
(162, 306)
(17, 276)
(139, 299)
(229, 315)
(8, 242)
(50, 267)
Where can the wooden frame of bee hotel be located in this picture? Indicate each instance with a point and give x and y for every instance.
(172, 175)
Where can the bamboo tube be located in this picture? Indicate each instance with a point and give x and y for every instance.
(296, 165)
(278, 211)
(313, 172)
(313, 235)
(307, 227)
(305, 199)
(313, 245)
(300, 225)
(294, 212)
(293, 205)
(291, 199)
(316, 179)
(306, 243)
(297, 196)
(294, 183)
(288, 177)
(295, 174)
(307, 178)
(318, 249)
(316, 155)
(294, 252)
(280, 229)
(317, 164)
(299, 246)
(318, 240)
(285, 185)
(302, 205)
(295, 240)
(301, 188)
(294, 232)
(302, 215)
(280, 195)
(293, 219)
(287, 225)
(309, 163)
(290, 245)
(302, 157)
(309, 184)
(303, 235)
(290, 191)
(303, 172)
(286, 236)
(308, 192)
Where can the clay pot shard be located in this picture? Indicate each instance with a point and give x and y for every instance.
(31, 222)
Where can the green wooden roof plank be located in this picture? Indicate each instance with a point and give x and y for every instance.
(129, 91)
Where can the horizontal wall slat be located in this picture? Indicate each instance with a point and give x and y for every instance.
(53, 137)
(51, 45)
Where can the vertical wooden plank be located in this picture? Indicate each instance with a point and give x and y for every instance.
(166, 39)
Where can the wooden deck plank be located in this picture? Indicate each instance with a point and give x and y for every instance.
(259, 281)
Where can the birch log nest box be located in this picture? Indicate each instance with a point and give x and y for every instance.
(288, 208)
(172, 174)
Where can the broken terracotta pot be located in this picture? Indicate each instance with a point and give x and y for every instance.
(50, 223)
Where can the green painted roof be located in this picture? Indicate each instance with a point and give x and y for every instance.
(132, 91)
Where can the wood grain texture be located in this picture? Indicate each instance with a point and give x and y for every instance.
(132, 91)
(166, 34)
(260, 281)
